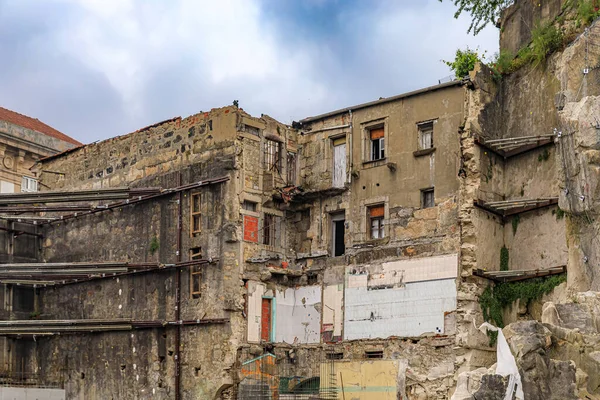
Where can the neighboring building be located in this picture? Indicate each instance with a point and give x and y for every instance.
(343, 229)
(23, 141)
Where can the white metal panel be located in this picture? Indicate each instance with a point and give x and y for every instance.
(7, 187)
(412, 310)
(19, 393)
(297, 317)
(256, 291)
(339, 165)
(333, 297)
(425, 268)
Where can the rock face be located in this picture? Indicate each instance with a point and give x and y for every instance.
(543, 378)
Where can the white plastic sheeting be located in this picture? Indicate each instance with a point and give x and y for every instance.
(506, 364)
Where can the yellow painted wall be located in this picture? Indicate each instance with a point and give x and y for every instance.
(364, 380)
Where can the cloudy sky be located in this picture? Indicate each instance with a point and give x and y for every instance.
(100, 68)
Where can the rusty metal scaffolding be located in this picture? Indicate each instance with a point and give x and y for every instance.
(508, 147)
(507, 208)
(61, 327)
(13, 203)
(268, 377)
(53, 274)
(519, 275)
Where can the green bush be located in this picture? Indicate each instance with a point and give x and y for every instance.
(545, 39)
(504, 256)
(587, 12)
(464, 62)
(495, 299)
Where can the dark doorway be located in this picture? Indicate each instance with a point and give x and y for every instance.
(338, 231)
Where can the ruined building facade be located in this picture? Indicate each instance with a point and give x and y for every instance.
(223, 255)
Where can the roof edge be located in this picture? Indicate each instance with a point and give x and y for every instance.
(456, 82)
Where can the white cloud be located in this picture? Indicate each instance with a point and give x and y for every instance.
(166, 58)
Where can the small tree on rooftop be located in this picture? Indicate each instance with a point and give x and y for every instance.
(464, 62)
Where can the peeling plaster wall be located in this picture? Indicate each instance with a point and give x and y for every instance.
(369, 380)
(333, 314)
(298, 317)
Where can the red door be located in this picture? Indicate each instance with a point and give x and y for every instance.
(265, 321)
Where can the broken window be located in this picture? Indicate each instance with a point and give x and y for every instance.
(251, 129)
(375, 219)
(29, 184)
(425, 135)
(195, 214)
(427, 198)
(338, 234)
(195, 273)
(377, 142)
(334, 356)
(249, 205)
(291, 169)
(270, 230)
(272, 156)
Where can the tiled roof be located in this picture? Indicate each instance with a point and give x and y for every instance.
(34, 124)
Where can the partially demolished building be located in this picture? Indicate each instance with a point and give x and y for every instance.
(228, 256)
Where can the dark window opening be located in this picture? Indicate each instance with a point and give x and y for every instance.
(23, 298)
(374, 354)
(249, 205)
(335, 356)
(251, 130)
(427, 198)
(338, 235)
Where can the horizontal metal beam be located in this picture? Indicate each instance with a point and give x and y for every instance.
(55, 274)
(73, 196)
(519, 275)
(505, 209)
(59, 327)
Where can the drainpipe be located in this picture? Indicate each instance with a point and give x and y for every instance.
(178, 296)
(350, 150)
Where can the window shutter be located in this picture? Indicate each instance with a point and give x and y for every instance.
(377, 211)
(377, 133)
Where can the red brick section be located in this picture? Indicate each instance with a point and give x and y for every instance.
(265, 320)
(35, 125)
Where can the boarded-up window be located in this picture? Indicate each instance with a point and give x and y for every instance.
(377, 143)
(375, 221)
(425, 135)
(250, 229)
(272, 156)
(339, 162)
(195, 273)
(291, 169)
(271, 230)
(195, 214)
(427, 198)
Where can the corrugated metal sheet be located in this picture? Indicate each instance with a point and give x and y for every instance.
(298, 316)
(412, 310)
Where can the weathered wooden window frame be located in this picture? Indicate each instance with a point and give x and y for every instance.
(425, 201)
(292, 162)
(270, 230)
(272, 155)
(425, 130)
(379, 219)
(195, 274)
(195, 213)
